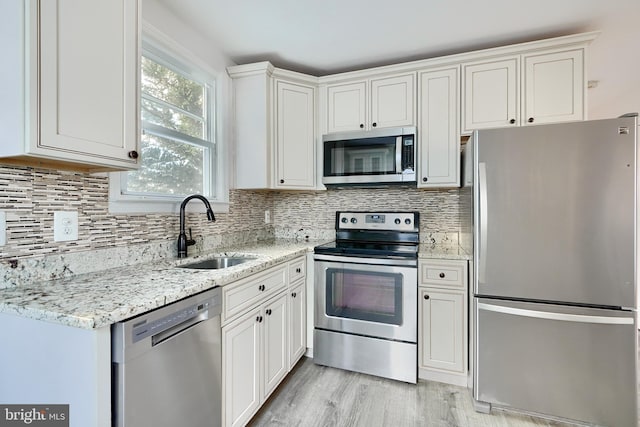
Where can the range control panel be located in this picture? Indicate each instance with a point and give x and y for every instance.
(393, 221)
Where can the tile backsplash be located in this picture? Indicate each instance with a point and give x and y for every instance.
(29, 196)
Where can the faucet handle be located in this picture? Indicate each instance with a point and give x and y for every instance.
(190, 240)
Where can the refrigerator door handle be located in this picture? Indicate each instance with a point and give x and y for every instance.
(482, 187)
(557, 316)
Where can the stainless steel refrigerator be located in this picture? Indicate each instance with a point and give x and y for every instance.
(555, 270)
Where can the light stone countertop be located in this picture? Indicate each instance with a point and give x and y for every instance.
(429, 251)
(99, 299)
(95, 300)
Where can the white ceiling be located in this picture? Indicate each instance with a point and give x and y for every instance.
(322, 37)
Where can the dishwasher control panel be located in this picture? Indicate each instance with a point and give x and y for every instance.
(144, 328)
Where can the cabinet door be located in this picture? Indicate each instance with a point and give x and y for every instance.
(491, 91)
(553, 87)
(297, 323)
(439, 146)
(88, 62)
(393, 101)
(346, 107)
(295, 136)
(442, 343)
(241, 368)
(275, 343)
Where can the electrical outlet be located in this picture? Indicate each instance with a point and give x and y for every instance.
(65, 226)
(267, 217)
(3, 228)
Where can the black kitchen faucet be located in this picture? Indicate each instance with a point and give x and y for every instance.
(183, 242)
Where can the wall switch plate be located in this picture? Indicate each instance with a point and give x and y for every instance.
(3, 228)
(267, 217)
(65, 226)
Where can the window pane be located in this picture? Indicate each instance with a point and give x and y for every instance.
(168, 167)
(171, 87)
(170, 118)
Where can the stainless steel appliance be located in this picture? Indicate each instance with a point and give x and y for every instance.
(555, 270)
(167, 365)
(379, 156)
(366, 295)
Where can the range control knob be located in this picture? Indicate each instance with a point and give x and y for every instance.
(353, 220)
(397, 221)
(407, 221)
(344, 220)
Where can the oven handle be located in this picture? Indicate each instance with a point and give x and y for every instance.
(396, 262)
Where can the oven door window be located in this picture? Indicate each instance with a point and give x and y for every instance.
(367, 296)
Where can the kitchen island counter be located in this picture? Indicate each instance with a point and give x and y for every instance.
(99, 299)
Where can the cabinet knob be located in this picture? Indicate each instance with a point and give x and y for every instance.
(298, 270)
(374, 124)
(512, 121)
(294, 294)
(425, 179)
(361, 125)
(426, 297)
(268, 312)
(261, 288)
(133, 154)
(282, 181)
(530, 120)
(442, 275)
(259, 319)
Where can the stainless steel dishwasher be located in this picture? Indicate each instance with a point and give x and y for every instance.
(167, 365)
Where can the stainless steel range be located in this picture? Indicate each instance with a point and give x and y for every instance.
(366, 293)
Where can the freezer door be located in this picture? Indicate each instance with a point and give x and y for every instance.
(554, 212)
(561, 361)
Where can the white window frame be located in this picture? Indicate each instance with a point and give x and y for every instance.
(158, 47)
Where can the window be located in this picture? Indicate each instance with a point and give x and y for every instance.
(178, 149)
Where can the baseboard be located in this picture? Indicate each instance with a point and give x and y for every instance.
(459, 379)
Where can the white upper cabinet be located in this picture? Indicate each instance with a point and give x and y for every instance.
(372, 103)
(553, 87)
(490, 94)
(78, 88)
(347, 106)
(295, 135)
(534, 88)
(438, 137)
(275, 127)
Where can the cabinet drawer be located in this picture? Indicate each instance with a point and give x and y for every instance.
(444, 273)
(252, 290)
(297, 269)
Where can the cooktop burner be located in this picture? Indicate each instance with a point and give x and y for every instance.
(374, 234)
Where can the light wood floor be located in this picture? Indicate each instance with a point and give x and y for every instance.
(315, 395)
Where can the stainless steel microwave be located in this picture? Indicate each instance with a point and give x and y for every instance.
(379, 156)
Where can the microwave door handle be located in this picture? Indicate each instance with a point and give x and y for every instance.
(399, 154)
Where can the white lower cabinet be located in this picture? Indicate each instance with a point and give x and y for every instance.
(261, 344)
(297, 322)
(442, 322)
(241, 361)
(255, 359)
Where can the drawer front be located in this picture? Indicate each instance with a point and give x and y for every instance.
(297, 269)
(444, 273)
(253, 290)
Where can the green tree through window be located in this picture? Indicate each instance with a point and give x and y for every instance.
(176, 147)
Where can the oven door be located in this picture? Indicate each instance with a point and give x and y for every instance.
(367, 296)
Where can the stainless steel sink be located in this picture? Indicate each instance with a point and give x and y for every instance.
(217, 263)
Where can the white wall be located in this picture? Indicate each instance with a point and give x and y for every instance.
(614, 60)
